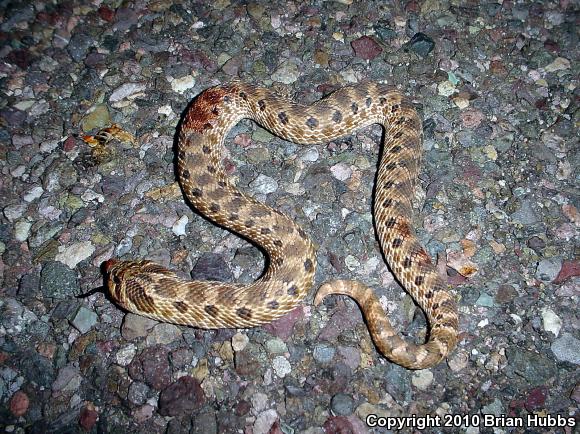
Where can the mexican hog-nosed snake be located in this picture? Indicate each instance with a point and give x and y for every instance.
(152, 290)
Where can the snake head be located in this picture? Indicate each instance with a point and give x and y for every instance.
(127, 280)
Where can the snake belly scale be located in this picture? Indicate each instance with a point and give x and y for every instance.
(149, 289)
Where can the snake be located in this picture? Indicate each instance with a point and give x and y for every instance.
(152, 290)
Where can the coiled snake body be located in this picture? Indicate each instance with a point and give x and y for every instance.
(151, 290)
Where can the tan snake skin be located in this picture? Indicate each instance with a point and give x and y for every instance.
(151, 290)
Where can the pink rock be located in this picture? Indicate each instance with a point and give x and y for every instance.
(366, 47)
(181, 397)
(282, 327)
(569, 269)
(536, 398)
(19, 404)
(88, 417)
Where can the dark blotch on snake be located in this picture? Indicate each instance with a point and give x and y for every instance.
(211, 310)
(397, 242)
(337, 116)
(418, 280)
(244, 313)
(312, 123)
(283, 117)
(181, 306)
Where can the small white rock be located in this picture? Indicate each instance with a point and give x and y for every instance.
(125, 355)
(264, 422)
(341, 171)
(311, 155)
(551, 321)
(127, 90)
(75, 253)
(239, 341)
(259, 401)
(264, 184)
(22, 230)
(183, 84)
(34, 193)
(178, 227)
(422, 379)
(281, 366)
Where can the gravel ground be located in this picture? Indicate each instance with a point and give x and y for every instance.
(496, 83)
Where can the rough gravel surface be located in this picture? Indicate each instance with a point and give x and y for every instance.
(497, 85)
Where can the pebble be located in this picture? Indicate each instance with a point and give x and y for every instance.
(88, 417)
(536, 368)
(287, 73)
(485, 300)
(33, 193)
(525, 215)
(264, 185)
(152, 367)
(19, 404)
(75, 253)
(341, 171)
(239, 341)
(182, 397)
(567, 349)
(560, 63)
(138, 392)
(68, 380)
(136, 326)
(551, 321)
(97, 117)
(366, 48)
(183, 84)
(276, 346)
(458, 361)
(259, 401)
(14, 212)
(342, 404)
(264, 422)
(179, 226)
(548, 269)
(126, 354)
(127, 90)
(310, 155)
(211, 266)
(58, 281)
(143, 413)
(22, 230)
(422, 379)
(84, 320)
(163, 334)
(323, 353)
(281, 366)
(421, 44)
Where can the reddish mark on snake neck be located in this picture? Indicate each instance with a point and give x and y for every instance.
(203, 112)
(423, 257)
